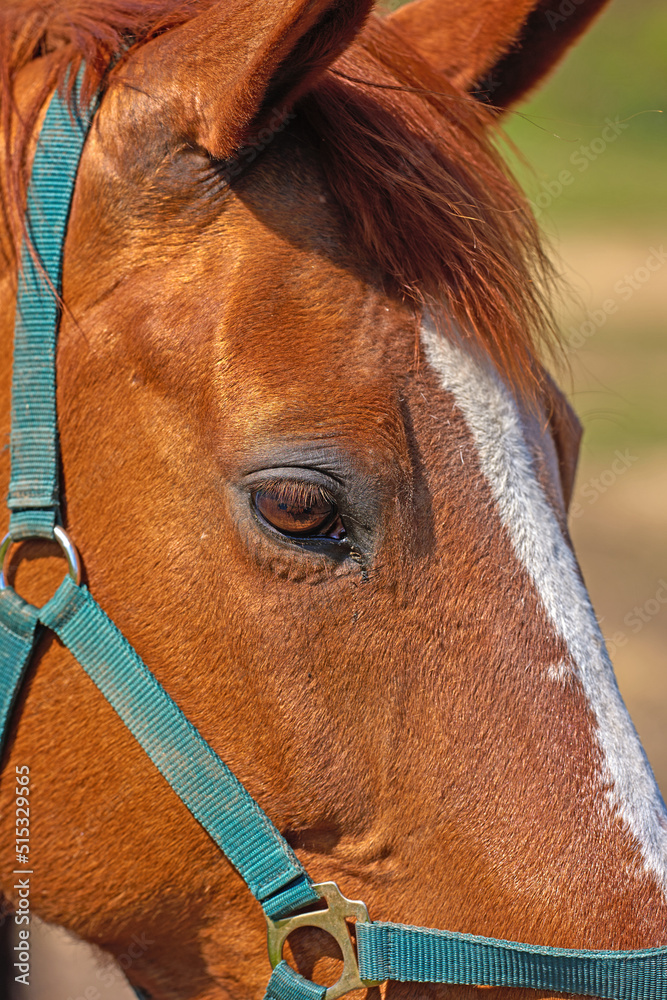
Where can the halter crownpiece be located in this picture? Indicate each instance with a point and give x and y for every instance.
(214, 796)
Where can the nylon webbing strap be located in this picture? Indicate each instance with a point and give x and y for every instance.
(18, 631)
(417, 954)
(202, 781)
(286, 984)
(33, 491)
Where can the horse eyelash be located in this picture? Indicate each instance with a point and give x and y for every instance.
(295, 492)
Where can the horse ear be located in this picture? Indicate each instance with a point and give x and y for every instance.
(566, 433)
(497, 49)
(241, 61)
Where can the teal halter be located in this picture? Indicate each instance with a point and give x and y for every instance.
(202, 781)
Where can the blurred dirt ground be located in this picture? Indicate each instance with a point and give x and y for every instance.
(64, 968)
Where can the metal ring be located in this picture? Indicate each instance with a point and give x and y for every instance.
(65, 543)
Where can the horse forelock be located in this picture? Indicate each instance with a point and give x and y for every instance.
(409, 159)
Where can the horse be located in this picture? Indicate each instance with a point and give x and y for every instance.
(319, 478)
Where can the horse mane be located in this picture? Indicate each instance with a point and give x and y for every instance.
(409, 158)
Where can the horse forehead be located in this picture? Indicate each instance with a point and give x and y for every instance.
(340, 365)
(302, 339)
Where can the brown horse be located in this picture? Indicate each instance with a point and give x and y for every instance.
(319, 479)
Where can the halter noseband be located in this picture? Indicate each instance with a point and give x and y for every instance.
(220, 803)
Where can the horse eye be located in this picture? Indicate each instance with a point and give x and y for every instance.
(295, 509)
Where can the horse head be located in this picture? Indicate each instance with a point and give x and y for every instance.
(319, 478)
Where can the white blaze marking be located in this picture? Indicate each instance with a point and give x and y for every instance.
(559, 671)
(495, 424)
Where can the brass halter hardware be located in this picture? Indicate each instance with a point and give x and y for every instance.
(333, 920)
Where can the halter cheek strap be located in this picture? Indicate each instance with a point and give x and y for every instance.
(214, 796)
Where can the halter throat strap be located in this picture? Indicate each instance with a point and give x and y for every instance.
(214, 796)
